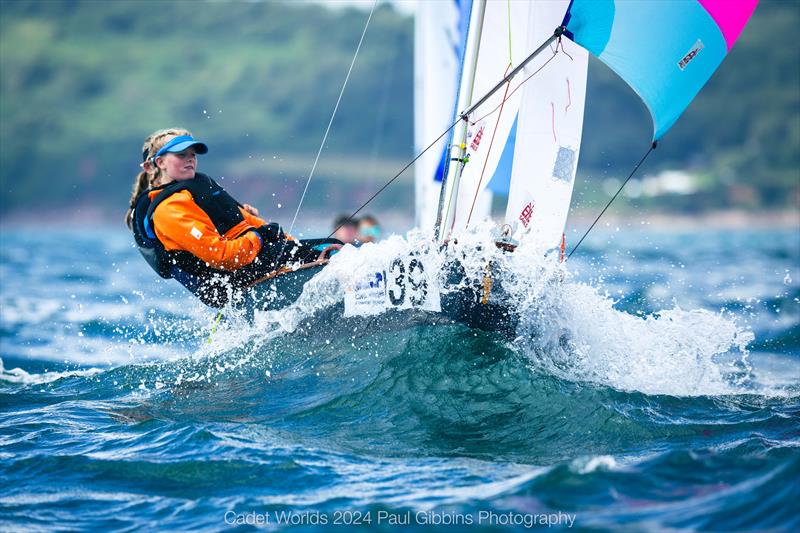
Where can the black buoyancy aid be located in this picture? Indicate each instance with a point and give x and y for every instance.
(208, 284)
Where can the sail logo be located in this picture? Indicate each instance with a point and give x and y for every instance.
(476, 140)
(374, 281)
(526, 214)
(691, 54)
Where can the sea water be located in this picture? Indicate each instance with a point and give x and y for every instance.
(655, 385)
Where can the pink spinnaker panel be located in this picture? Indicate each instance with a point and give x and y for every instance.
(730, 16)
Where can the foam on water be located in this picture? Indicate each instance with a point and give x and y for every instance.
(567, 329)
(328, 287)
(580, 336)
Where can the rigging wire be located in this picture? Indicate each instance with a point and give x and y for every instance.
(464, 116)
(652, 147)
(510, 55)
(399, 173)
(330, 122)
(499, 107)
(506, 97)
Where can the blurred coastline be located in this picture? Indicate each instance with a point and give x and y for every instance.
(83, 82)
(399, 222)
(718, 219)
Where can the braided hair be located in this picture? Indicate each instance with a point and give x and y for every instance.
(150, 173)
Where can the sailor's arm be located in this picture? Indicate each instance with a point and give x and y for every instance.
(252, 218)
(256, 222)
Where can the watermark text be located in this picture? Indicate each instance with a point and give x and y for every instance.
(399, 518)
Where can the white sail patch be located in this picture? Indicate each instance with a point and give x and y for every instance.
(566, 161)
(475, 135)
(524, 139)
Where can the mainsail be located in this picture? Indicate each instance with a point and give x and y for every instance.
(440, 30)
(522, 142)
(520, 107)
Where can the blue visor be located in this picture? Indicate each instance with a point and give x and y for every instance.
(181, 143)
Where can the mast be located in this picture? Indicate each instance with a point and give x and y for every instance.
(445, 212)
(451, 195)
(440, 37)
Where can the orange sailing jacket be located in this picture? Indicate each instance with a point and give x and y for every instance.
(182, 225)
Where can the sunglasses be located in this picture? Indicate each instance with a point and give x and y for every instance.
(372, 231)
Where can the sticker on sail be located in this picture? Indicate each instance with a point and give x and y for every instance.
(405, 284)
(526, 214)
(565, 163)
(691, 54)
(475, 139)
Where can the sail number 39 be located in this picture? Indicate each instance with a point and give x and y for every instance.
(407, 282)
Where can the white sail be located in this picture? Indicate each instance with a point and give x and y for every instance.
(503, 136)
(548, 133)
(439, 36)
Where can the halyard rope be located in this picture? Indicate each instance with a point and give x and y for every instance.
(330, 122)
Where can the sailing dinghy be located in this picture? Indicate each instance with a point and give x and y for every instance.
(517, 71)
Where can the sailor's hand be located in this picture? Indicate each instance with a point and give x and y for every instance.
(271, 232)
(250, 209)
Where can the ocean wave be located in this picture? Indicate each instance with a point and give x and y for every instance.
(20, 376)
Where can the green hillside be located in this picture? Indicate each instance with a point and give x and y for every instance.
(82, 83)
